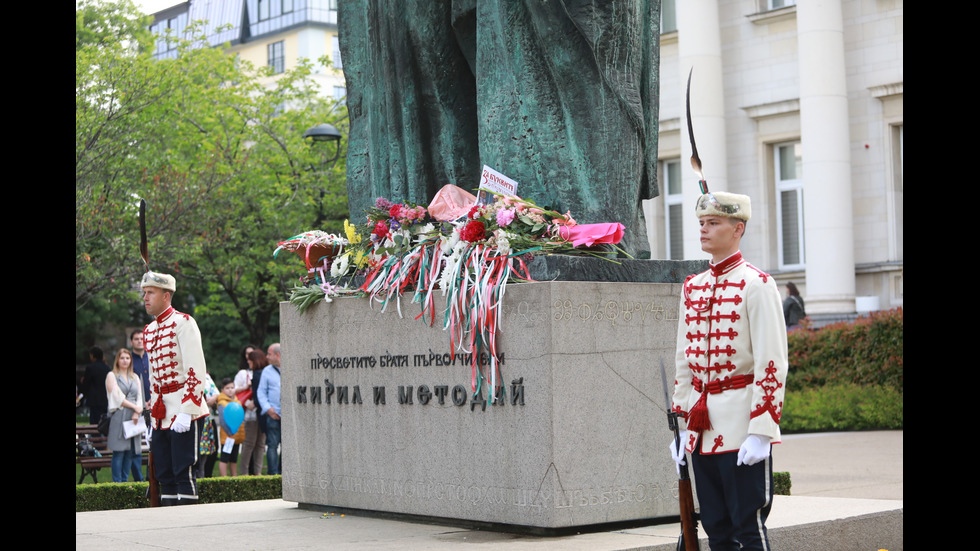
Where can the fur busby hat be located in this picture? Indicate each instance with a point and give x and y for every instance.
(723, 203)
(157, 279)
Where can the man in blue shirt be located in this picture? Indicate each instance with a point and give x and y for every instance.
(269, 397)
(142, 370)
(140, 359)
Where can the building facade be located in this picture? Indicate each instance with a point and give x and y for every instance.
(798, 104)
(276, 33)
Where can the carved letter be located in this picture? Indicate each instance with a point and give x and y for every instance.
(424, 395)
(403, 396)
(459, 395)
(517, 392)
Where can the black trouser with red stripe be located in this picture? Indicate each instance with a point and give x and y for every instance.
(735, 500)
(174, 456)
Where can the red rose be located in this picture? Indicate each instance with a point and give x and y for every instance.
(473, 231)
(381, 230)
(395, 211)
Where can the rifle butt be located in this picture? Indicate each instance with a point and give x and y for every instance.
(689, 522)
(151, 476)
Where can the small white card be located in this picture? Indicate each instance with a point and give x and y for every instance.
(491, 180)
(229, 445)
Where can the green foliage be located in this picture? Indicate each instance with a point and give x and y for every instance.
(119, 23)
(845, 406)
(781, 483)
(869, 351)
(215, 147)
(847, 376)
(133, 495)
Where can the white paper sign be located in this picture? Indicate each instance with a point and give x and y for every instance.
(496, 182)
(131, 429)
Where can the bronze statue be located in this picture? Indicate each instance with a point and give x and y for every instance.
(561, 96)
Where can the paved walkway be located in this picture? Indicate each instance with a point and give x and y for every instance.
(865, 468)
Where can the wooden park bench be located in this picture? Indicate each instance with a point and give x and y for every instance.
(91, 464)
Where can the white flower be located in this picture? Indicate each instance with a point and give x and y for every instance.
(422, 233)
(445, 277)
(503, 244)
(340, 265)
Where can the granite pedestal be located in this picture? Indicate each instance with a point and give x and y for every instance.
(378, 415)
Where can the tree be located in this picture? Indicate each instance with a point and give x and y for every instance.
(215, 148)
(99, 23)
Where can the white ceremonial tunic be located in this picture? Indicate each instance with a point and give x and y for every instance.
(176, 363)
(731, 349)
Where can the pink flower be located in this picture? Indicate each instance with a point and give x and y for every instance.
(505, 217)
(566, 220)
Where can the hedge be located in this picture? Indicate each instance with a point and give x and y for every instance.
(868, 351)
(843, 407)
(847, 376)
(133, 495)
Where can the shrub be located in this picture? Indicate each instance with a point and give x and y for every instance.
(844, 406)
(781, 483)
(868, 351)
(133, 495)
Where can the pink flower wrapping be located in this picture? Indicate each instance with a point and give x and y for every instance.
(450, 203)
(591, 234)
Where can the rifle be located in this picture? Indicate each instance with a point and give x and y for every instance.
(153, 489)
(688, 540)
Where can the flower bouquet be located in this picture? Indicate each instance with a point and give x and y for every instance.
(469, 260)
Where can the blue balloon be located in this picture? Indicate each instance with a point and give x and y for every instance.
(231, 417)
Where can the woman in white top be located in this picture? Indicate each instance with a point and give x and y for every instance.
(125, 393)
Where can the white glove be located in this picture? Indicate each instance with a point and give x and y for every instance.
(182, 423)
(678, 455)
(755, 448)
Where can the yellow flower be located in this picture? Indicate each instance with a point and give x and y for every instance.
(360, 260)
(351, 232)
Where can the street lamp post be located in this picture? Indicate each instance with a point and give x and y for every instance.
(323, 133)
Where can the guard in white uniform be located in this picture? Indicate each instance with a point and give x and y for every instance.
(177, 371)
(730, 381)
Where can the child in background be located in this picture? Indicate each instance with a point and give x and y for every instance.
(229, 443)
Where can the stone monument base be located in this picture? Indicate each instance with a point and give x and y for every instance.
(378, 415)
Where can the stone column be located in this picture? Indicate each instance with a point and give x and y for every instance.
(828, 218)
(699, 46)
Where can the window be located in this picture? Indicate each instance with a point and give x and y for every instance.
(897, 206)
(277, 57)
(340, 94)
(335, 44)
(668, 17)
(673, 209)
(788, 167)
(776, 4)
